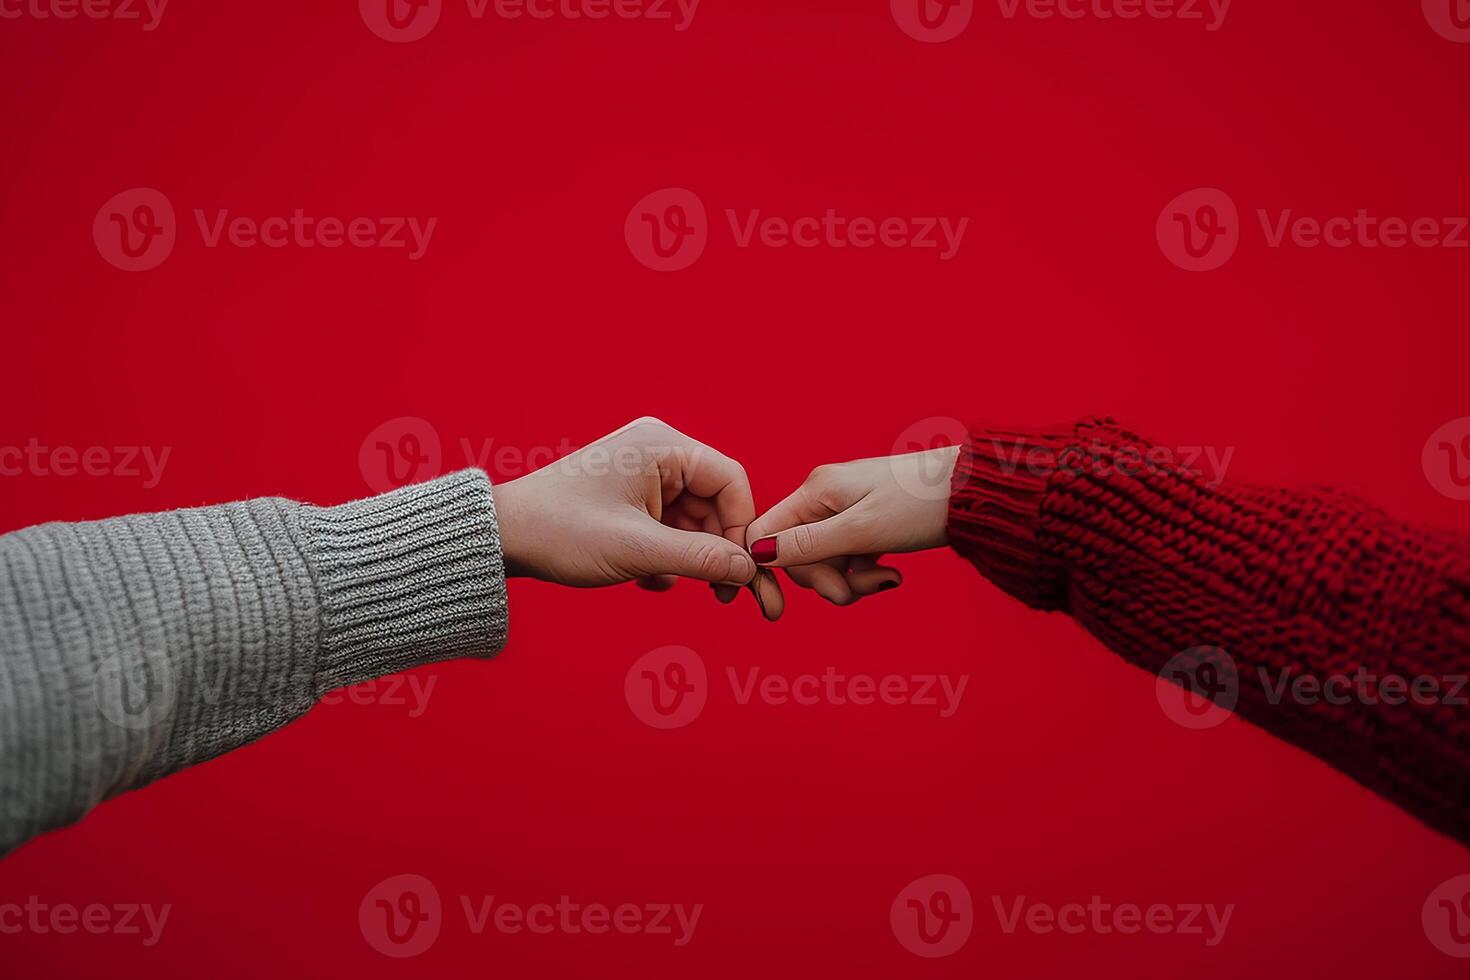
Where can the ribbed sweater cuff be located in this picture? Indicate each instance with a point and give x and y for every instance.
(996, 497)
(408, 578)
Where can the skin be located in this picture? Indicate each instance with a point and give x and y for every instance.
(832, 532)
(649, 504)
(645, 503)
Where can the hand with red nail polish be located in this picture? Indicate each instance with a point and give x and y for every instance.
(646, 503)
(830, 534)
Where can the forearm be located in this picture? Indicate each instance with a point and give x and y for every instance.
(133, 647)
(1154, 560)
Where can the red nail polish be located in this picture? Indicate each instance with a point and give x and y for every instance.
(764, 551)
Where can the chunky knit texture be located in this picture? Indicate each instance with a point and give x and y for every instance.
(131, 648)
(1155, 561)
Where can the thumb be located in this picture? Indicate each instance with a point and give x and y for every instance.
(696, 555)
(837, 536)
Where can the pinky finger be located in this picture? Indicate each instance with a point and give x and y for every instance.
(878, 580)
(725, 593)
(868, 577)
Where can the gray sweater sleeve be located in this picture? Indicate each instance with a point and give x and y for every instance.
(133, 647)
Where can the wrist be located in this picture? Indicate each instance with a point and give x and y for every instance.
(510, 514)
(936, 518)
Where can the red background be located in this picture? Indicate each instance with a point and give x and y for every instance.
(529, 321)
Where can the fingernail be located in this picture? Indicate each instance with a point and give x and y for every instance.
(741, 569)
(764, 551)
(885, 586)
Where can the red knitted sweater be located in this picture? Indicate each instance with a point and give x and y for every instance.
(1155, 561)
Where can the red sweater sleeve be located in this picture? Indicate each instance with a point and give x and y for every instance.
(1155, 560)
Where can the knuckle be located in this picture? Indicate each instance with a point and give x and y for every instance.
(820, 475)
(650, 425)
(826, 495)
(803, 540)
(709, 560)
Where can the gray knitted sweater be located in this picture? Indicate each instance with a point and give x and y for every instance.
(133, 647)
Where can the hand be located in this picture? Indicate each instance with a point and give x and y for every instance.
(645, 503)
(830, 533)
